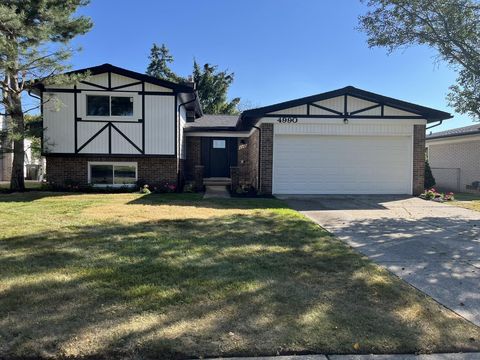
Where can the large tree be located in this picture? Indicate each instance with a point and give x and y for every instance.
(34, 47)
(160, 58)
(212, 86)
(452, 27)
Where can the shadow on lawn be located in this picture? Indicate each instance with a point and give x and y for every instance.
(30, 195)
(234, 285)
(197, 200)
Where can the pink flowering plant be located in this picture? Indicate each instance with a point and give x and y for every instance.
(433, 194)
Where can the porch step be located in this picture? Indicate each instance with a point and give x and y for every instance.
(217, 181)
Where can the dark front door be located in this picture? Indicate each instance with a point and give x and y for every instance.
(219, 164)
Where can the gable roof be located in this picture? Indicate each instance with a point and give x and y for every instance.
(104, 68)
(213, 122)
(427, 113)
(188, 94)
(466, 130)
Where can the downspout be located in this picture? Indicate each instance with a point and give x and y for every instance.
(439, 123)
(259, 155)
(178, 134)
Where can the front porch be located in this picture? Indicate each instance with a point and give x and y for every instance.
(225, 160)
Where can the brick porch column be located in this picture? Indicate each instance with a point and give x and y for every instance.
(418, 159)
(266, 158)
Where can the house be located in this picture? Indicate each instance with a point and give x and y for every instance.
(454, 156)
(119, 126)
(33, 167)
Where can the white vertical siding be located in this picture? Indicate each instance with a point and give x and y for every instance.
(100, 79)
(152, 87)
(121, 146)
(390, 111)
(85, 130)
(120, 80)
(99, 145)
(58, 121)
(132, 131)
(336, 103)
(160, 125)
(296, 110)
(355, 104)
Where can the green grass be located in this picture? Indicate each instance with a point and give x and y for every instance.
(467, 200)
(175, 276)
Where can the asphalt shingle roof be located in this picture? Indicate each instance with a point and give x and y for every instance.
(225, 122)
(466, 130)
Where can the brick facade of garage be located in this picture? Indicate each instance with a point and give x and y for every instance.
(418, 159)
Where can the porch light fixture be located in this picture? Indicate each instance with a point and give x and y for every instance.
(345, 121)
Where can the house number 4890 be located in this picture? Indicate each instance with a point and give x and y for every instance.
(287, 120)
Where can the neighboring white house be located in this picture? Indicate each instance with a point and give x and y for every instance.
(454, 156)
(33, 167)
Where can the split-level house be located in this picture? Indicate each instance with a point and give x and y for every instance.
(118, 126)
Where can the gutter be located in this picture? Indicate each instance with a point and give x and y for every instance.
(439, 123)
(195, 97)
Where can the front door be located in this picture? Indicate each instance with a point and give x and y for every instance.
(219, 166)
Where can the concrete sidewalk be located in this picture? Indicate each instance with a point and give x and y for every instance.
(457, 356)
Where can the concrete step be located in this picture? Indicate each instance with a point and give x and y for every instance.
(217, 181)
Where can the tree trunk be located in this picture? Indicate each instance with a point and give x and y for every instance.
(17, 182)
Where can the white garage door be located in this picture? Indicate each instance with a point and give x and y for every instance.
(309, 164)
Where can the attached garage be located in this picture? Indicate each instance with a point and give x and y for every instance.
(346, 141)
(313, 164)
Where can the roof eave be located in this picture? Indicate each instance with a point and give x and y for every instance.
(452, 135)
(431, 115)
(209, 128)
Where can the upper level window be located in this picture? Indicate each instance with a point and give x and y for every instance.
(98, 105)
(102, 105)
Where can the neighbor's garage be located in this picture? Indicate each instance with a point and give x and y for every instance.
(315, 164)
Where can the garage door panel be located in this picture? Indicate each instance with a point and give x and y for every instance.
(342, 164)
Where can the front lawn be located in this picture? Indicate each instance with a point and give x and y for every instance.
(175, 276)
(468, 201)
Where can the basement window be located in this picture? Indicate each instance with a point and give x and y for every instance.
(112, 174)
(102, 105)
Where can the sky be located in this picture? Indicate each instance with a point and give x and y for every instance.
(278, 49)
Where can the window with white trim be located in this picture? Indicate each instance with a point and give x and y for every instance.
(107, 105)
(112, 174)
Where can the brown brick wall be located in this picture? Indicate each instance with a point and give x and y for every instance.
(418, 159)
(75, 168)
(242, 161)
(254, 145)
(248, 159)
(266, 158)
(194, 156)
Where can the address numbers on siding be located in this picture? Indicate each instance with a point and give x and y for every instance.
(287, 120)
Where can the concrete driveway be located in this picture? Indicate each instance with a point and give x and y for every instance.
(435, 247)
